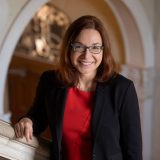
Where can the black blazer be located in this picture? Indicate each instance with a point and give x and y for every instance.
(116, 128)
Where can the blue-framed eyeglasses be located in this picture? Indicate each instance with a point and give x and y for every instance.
(78, 47)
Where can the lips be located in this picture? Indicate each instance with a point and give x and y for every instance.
(86, 63)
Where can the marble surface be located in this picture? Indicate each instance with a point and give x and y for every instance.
(15, 149)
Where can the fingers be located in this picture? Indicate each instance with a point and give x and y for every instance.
(19, 127)
(28, 131)
(24, 129)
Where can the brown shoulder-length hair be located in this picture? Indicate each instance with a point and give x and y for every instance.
(67, 72)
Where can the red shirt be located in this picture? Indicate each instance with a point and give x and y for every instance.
(77, 140)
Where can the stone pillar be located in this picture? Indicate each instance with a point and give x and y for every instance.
(156, 118)
(5, 112)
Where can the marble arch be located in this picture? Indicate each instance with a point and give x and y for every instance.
(131, 18)
(9, 43)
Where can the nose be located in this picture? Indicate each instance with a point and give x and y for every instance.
(87, 53)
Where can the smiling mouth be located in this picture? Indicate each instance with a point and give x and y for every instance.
(85, 63)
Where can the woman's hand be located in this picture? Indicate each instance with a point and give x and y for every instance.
(24, 128)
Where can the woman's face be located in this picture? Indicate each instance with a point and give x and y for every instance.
(86, 61)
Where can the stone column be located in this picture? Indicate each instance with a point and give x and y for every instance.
(156, 118)
(5, 112)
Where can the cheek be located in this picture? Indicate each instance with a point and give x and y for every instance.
(73, 58)
(100, 58)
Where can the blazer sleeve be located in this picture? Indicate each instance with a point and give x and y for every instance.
(38, 112)
(131, 137)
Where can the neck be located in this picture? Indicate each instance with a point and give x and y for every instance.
(86, 84)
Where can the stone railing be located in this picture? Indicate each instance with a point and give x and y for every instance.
(19, 149)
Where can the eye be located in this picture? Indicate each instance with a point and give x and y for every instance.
(78, 46)
(96, 47)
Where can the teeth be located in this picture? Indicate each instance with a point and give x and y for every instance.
(86, 63)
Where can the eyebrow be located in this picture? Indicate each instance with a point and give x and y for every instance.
(97, 43)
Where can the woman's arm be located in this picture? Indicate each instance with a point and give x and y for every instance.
(35, 121)
(131, 138)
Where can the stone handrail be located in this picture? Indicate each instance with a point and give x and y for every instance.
(18, 148)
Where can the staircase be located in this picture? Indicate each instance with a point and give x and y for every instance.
(12, 148)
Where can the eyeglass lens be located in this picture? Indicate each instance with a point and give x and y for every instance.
(77, 47)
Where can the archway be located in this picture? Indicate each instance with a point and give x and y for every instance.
(132, 19)
(9, 43)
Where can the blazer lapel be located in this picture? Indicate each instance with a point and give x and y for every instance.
(60, 102)
(100, 99)
(57, 98)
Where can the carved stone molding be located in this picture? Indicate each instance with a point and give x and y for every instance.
(13, 148)
(136, 75)
(143, 79)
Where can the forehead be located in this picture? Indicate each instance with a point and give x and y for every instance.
(89, 36)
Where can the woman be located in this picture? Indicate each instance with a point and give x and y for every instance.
(92, 111)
